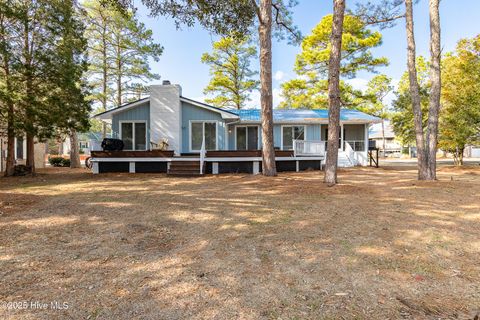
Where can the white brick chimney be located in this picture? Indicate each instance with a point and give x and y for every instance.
(166, 115)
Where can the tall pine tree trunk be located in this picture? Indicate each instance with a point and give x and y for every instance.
(104, 78)
(10, 163)
(30, 162)
(435, 90)
(266, 98)
(119, 72)
(415, 93)
(74, 150)
(334, 93)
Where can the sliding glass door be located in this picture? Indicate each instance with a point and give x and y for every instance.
(290, 133)
(134, 135)
(247, 138)
(199, 130)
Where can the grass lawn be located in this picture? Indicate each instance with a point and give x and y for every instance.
(117, 246)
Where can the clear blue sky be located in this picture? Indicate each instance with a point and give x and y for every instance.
(181, 64)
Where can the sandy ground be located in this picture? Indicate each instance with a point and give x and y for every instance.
(118, 246)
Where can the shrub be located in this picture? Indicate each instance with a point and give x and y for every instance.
(59, 162)
(65, 162)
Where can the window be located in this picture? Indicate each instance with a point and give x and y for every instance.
(83, 144)
(134, 135)
(290, 133)
(20, 148)
(247, 137)
(200, 130)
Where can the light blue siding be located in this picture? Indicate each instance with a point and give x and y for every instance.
(141, 112)
(194, 113)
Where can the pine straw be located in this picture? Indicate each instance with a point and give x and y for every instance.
(119, 246)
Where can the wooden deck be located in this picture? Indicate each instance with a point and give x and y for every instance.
(133, 154)
(232, 161)
(246, 153)
(170, 154)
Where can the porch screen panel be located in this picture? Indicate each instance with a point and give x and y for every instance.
(140, 136)
(252, 142)
(197, 134)
(127, 135)
(210, 136)
(241, 138)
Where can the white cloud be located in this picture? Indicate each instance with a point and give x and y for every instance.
(254, 102)
(358, 83)
(277, 98)
(279, 75)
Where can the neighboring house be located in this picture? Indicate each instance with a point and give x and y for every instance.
(21, 152)
(392, 146)
(472, 151)
(86, 141)
(299, 135)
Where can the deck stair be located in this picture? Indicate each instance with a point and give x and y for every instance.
(343, 160)
(184, 168)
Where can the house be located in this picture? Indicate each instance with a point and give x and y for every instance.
(392, 146)
(21, 152)
(86, 142)
(231, 138)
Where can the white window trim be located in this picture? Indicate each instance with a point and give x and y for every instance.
(133, 133)
(246, 137)
(203, 130)
(292, 125)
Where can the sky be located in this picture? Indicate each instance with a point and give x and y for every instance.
(180, 62)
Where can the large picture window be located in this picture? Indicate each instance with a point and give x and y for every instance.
(134, 135)
(198, 130)
(247, 137)
(290, 133)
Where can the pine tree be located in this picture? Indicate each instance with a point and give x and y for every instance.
(71, 107)
(120, 48)
(44, 69)
(310, 89)
(232, 78)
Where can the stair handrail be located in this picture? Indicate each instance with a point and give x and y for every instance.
(350, 153)
(202, 155)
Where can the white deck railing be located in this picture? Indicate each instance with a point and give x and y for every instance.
(308, 148)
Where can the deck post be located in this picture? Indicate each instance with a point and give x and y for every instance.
(95, 168)
(214, 167)
(256, 167)
(297, 166)
(131, 167)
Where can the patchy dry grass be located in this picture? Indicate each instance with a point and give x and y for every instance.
(118, 246)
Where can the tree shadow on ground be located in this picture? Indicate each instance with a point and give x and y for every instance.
(379, 245)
